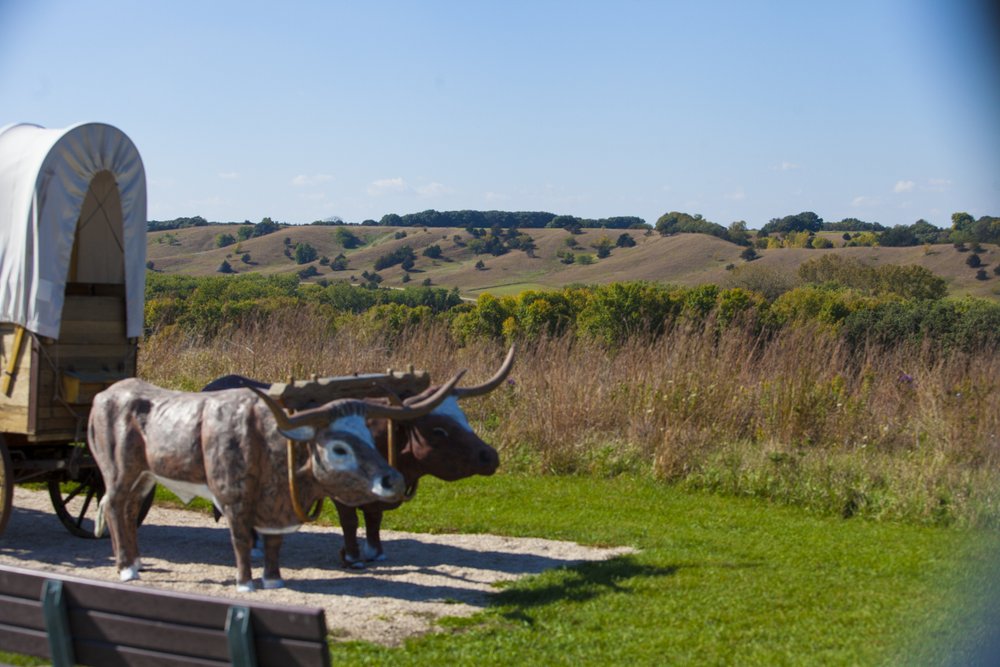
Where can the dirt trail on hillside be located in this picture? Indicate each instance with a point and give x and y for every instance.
(425, 577)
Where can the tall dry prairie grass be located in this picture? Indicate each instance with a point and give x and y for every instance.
(907, 433)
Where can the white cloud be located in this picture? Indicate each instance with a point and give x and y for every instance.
(865, 200)
(904, 186)
(787, 166)
(431, 190)
(385, 186)
(496, 196)
(736, 195)
(304, 180)
(229, 175)
(399, 186)
(938, 184)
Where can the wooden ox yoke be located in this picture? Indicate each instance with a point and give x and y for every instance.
(302, 394)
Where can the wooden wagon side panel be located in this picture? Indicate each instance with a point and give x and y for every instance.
(14, 408)
(92, 353)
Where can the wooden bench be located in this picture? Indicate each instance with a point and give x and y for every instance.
(75, 621)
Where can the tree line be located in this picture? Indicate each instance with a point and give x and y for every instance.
(885, 306)
(964, 227)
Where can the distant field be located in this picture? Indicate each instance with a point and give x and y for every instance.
(683, 259)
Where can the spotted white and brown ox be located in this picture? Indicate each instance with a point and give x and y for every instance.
(230, 447)
(441, 444)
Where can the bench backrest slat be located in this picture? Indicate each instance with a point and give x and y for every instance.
(116, 624)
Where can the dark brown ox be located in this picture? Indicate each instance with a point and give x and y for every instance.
(230, 447)
(441, 444)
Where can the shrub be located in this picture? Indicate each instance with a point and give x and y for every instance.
(305, 253)
(225, 268)
(625, 241)
(766, 281)
(223, 240)
(346, 238)
(432, 251)
(339, 263)
(398, 256)
(308, 272)
(974, 260)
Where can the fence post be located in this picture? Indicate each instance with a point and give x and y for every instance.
(57, 623)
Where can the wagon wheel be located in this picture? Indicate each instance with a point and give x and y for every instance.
(76, 502)
(6, 485)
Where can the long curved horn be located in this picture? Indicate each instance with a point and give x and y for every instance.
(315, 417)
(418, 409)
(493, 382)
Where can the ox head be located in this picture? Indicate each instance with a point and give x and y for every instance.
(443, 442)
(344, 459)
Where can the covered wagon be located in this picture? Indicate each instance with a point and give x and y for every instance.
(72, 280)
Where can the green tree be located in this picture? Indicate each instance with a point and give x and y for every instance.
(807, 221)
(738, 232)
(603, 247)
(305, 253)
(339, 263)
(223, 240)
(625, 240)
(346, 238)
(432, 251)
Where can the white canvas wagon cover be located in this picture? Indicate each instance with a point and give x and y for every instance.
(54, 182)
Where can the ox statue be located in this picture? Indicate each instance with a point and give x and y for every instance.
(230, 447)
(441, 444)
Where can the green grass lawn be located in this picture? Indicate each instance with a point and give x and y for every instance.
(716, 581)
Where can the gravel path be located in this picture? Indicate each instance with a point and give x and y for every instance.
(425, 577)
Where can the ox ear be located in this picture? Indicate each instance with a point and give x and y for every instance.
(299, 434)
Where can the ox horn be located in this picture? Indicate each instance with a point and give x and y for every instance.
(493, 382)
(319, 417)
(416, 409)
(313, 417)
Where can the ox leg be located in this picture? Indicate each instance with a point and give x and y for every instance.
(241, 534)
(373, 538)
(272, 573)
(350, 555)
(124, 540)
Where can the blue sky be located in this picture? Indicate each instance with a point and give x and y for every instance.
(884, 110)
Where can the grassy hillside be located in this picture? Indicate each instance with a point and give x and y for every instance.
(684, 259)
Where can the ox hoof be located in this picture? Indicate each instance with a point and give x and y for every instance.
(351, 562)
(370, 553)
(129, 573)
(244, 588)
(269, 584)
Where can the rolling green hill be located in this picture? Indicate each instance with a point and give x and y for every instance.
(683, 259)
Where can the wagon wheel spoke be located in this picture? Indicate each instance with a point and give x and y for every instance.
(83, 510)
(77, 503)
(73, 502)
